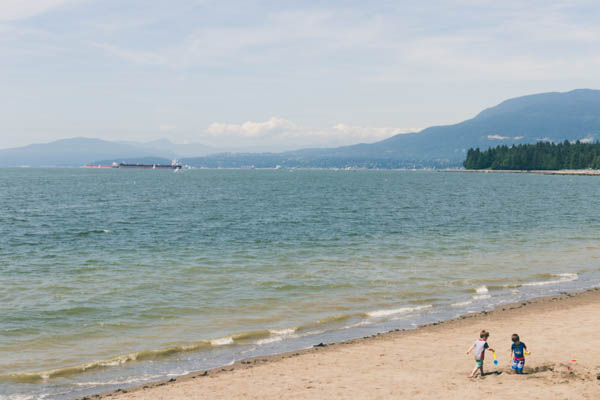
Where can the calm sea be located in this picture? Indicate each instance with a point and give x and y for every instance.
(110, 278)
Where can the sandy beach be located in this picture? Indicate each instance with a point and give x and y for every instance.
(427, 363)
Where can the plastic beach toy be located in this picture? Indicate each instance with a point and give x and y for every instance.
(495, 361)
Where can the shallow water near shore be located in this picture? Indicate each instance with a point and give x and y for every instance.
(113, 278)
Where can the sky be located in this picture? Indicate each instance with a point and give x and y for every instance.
(279, 75)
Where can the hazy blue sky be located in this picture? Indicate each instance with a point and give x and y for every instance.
(279, 74)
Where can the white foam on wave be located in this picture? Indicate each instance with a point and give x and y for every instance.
(222, 341)
(251, 349)
(114, 363)
(268, 340)
(106, 231)
(462, 303)
(482, 290)
(403, 310)
(277, 335)
(19, 397)
(565, 277)
(310, 333)
(119, 381)
(358, 324)
(361, 323)
(481, 297)
(287, 331)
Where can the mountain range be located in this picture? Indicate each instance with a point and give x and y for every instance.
(76, 152)
(555, 117)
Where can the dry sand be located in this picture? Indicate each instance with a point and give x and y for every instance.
(426, 363)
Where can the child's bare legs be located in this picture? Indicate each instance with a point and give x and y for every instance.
(474, 371)
(477, 368)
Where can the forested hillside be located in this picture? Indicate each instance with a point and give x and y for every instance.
(540, 156)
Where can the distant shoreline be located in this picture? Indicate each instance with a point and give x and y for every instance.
(583, 172)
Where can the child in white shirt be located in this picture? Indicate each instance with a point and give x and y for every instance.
(480, 346)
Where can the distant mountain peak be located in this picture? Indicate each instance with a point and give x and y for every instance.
(576, 97)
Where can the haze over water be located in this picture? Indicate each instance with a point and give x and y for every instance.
(114, 277)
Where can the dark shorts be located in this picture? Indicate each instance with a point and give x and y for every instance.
(518, 364)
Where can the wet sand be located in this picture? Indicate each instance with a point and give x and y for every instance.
(562, 333)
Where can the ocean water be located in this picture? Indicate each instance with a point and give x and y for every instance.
(111, 278)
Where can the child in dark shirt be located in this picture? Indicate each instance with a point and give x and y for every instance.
(517, 352)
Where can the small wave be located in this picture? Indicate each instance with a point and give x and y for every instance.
(277, 335)
(481, 297)
(222, 341)
(311, 333)
(564, 277)
(571, 276)
(358, 324)
(250, 335)
(160, 353)
(18, 397)
(287, 331)
(119, 382)
(328, 320)
(37, 377)
(497, 287)
(462, 303)
(251, 349)
(481, 290)
(269, 340)
(323, 324)
(403, 310)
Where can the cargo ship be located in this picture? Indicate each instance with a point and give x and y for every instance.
(174, 165)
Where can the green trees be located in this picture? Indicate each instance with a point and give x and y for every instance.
(539, 156)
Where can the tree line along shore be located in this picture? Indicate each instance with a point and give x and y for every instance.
(542, 156)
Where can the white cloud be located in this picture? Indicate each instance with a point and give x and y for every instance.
(272, 127)
(11, 10)
(279, 131)
(588, 139)
(368, 133)
(497, 137)
(519, 137)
